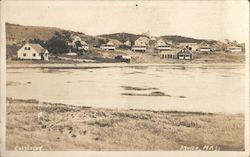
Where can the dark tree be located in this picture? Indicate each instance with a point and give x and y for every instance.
(58, 43)
(66, 35)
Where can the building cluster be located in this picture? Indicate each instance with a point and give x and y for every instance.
(164, 49)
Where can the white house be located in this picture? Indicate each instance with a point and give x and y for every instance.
(142, 41)
(153, 38)
(234, 49)
(33, 51)
(141, 44)
(108, 46)
(204, 47)
(162, 46)
(78, 43)
(191, 46)
(84, 46)
(128, 43)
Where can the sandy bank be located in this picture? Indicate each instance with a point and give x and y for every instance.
(67, 127)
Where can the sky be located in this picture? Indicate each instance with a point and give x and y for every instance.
(217, 20)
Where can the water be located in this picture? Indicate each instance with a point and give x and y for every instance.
(207, 88)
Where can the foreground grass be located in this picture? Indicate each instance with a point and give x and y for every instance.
(65, 127)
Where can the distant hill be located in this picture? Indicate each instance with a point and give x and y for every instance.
(182, 39)
(18, 33)
(122, 37)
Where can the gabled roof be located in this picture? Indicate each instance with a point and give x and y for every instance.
(37, 47)
(187, 50)
(173, 51)
(143, 38)
(161, 42)
(110, 43)
(83, 43)
(233, 44)
(73, 36)
(203, 43)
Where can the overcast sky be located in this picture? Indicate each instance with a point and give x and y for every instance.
(206, 20)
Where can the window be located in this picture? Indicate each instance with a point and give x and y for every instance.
(169, 56)
(27, 48)
(24, 54)
(34, 55)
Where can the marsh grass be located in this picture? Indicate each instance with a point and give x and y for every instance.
(68, 127)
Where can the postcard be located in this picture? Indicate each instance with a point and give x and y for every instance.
(125, 78)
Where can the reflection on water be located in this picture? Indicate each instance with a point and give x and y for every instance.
(207, 88)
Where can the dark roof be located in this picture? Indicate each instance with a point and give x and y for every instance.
(180, 51)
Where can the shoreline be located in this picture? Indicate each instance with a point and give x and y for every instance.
(69, 127)
(109, 65)
(38, 102)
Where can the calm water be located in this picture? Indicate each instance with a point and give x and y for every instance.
(190, 88)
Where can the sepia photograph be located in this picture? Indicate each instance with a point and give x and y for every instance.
(141, 78)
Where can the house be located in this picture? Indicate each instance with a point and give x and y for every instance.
(127, 43)
(204, 47)
(234, 49)
(142, 41)
(141, 44)
(170, 43)
(153, 38)
(33, 51)
(108, 46)
(84, 46)
(191, 46)
(78, 44)
(217, 46)
(162, 46)
(171, 54)
(184, 54)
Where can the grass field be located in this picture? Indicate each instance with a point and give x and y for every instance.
(67, 127)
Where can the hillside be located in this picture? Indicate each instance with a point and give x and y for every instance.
(122, 37)
(182, 39)
(18, 33)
